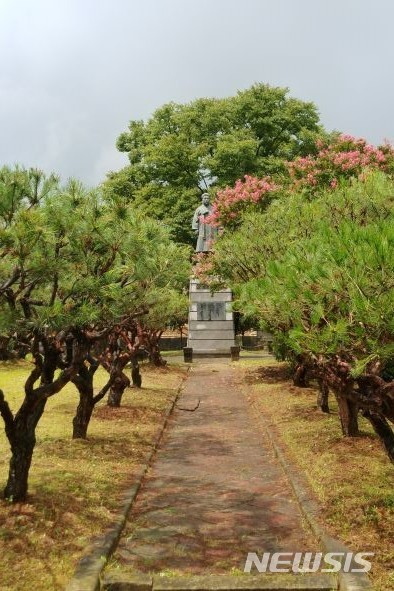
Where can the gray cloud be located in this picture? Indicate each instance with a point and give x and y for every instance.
(74, 72)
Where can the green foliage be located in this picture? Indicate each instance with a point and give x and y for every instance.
(74, 270)
(72, 260)
(22, 189)
(319, 274)
(170, 310)
(182, 150)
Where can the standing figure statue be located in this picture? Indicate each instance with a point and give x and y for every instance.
(205, 232)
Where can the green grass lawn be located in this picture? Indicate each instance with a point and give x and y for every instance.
(74, 486)
(351, 477)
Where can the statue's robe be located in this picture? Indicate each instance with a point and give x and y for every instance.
(206, 232)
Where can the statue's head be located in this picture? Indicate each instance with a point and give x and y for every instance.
(205, 198)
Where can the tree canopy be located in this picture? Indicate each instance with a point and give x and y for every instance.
(184, 149)
(74, 269)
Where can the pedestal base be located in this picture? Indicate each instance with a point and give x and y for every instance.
(211, 324)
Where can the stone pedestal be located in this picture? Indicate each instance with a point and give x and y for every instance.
(211, 324)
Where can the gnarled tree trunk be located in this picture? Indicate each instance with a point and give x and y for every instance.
(337, 375)
(348, 415)
(83, 413)
(383, 431)
(300, 377)
(87, 400)
(152, 345)
(322, 396)
(22, 441)
(119, 381)
(135, 372)
(377, 403)
(21, 429)
(119, 385)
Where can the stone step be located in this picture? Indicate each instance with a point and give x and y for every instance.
(213, 335)
(210, 345)
(216, 325)
(262, 582)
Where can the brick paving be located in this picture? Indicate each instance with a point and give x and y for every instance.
(215, 491)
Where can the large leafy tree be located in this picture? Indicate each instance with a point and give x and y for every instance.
(184, 149)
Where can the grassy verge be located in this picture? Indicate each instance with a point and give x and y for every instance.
(351, 477)
(74, 486)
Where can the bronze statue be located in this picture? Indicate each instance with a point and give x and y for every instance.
(206, 233)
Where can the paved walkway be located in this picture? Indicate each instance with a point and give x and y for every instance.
(215, 491)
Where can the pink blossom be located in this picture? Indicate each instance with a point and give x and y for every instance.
(231, 201)
(345, 157)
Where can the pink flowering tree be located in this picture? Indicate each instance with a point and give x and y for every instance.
(227, 210)
(232, 202)
(203, 268)
(337, 161)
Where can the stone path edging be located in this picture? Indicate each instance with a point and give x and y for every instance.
(87, 573)
(311, 582)
(310, 509)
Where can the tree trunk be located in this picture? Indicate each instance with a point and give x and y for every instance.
(300, 376)
(155, 355)
(119, 385)
(84, 383)
(152, 345)
(84, 411)
(114, 365)
(157, 359)
(136, 376)
(87, 399)
(22, 453)
(348, 414)
(135, 373)
(322, 396)
(22, 443)
(20, 430)
(383, 431)
(23, 436)
(4, 350)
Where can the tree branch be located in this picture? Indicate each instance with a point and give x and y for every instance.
(14, 277)
(79, 354)
(34, 375)
(7, 415)
(100, 395)
(54, 289)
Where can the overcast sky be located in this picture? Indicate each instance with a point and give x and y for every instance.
(73, 73)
